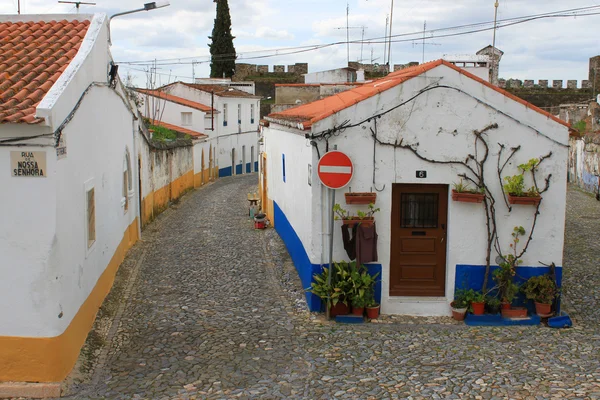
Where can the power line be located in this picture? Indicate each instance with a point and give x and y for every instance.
(299, 49)
(305, 49)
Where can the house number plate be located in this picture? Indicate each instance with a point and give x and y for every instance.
(421, 174)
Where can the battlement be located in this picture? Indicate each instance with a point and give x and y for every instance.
(544, 84)
(243, 70)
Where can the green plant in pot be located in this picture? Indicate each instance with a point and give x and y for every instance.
(492, 304)
(515, 185)
(477, 303)
(542, 290)
(460, 304)
(371, 305)
(337, 295)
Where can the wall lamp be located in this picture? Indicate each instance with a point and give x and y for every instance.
(147, 7)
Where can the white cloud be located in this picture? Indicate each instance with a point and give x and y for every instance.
(273, 34)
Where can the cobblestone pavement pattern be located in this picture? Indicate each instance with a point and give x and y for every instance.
(216, 311)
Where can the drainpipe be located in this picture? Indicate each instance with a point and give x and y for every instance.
(212, 110)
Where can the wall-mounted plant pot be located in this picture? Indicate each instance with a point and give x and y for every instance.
(515, 312)
(360, 197)
(367, 221)
(525, 200)
(467, 197)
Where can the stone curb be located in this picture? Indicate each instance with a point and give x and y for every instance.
(29, 390)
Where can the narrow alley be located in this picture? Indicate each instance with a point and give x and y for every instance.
(207, 307)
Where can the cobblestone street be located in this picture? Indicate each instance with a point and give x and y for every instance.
(207, 307)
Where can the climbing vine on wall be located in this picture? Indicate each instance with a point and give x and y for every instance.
(475, 166)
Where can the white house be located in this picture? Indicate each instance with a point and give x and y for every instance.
(232, 129)
(68, 205)
(410, 135)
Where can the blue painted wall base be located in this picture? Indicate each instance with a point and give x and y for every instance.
(306, 269)
(223, 172)
(497, 320)
(471, 277)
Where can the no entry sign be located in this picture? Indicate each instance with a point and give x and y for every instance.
(335, 169)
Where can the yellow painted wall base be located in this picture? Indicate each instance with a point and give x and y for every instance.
(26, 359)
(156, 202)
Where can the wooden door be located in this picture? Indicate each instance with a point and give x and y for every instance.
(418, 240)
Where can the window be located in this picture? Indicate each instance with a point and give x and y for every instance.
(419, 210)
(251, 113)
(90, 211)
(283, 165)
(186, 118)
(224, 114)
(239, 114)
(244, 160)
(252, 159)
(127, 181)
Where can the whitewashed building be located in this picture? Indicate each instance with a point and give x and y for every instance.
(232, 127)
(68, 204)
(410, 135)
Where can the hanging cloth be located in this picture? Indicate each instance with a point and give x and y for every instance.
(366, 244)
(349, 239)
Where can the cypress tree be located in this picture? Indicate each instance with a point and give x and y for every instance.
(221, 49)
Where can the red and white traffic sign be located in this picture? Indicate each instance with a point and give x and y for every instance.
(335, 169)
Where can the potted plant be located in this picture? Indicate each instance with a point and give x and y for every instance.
(361, 217)
(360, 197)
(542, 290)
(463, 192)
(515, 186)
(371, 304)
(478, 303)
(335, 295)
(492, 304)
(459, 305)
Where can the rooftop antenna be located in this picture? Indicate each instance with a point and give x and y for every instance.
(348, 31)
(77, 4)
(387, 21)
(19, 7)
(362, 40)
(390, 42)
(425, 38)
(492, 78)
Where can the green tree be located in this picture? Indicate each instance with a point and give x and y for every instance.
(222, 50)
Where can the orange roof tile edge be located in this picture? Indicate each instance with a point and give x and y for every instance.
(507, 94)
(307, 117)
(176, 99)
(197, 135)
(320, 84)
(308, 114)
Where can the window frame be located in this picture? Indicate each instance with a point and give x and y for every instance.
(188, 120)
(90, 243)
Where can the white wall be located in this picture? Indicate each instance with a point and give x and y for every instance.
(43, 232)
(441, 121)
(341, 75)
(295, 195)
(170, 113)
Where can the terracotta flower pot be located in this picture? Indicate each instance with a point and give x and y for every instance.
(458, 313)
(360, 197)
(478, 308)
(505, 305)
(339, 309)
(525, 200)
(373, 312)
(466, 197)
(516, 312)
(543, 309)
(358, 311)
(367, 221)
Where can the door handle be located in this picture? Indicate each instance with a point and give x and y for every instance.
(442, 241)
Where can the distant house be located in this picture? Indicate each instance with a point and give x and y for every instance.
(232, 127)
(69, 208)
(412, 136)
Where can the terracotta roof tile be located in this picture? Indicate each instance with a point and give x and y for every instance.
(307, 114)
(32, 57)
(176, 99)
(194, 134)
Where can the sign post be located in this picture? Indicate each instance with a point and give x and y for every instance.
(335, 171)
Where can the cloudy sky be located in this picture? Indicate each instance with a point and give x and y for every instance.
(542, 49)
